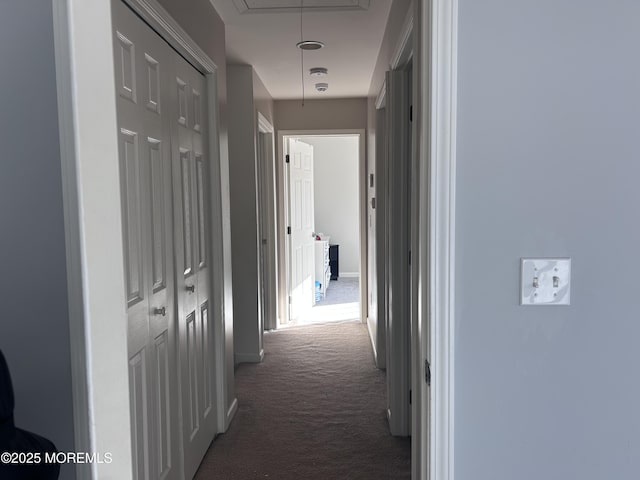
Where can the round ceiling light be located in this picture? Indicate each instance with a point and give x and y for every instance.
(309, 45)
(318, 71)
(322, 87)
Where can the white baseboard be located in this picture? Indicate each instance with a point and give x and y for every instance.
(380, 362)
(231, 412)
(249, 357)
(349, 275)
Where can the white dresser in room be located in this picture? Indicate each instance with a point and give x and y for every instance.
(323, 270)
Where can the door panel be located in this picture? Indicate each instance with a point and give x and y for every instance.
(187, 226)
(139, 414)
(163, 401)
(200, 208)
(207, 359)
(192, 366)
(158, 213)
(130, 168)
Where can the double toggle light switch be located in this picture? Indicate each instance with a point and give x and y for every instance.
(545, 281)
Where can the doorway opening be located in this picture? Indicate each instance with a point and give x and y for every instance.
(324, 223)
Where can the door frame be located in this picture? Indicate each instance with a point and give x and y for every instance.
(381, 239)
(399, 270)
(434, 50)
(436, 60)
(93, 225)
(282, 198)
(265, 169)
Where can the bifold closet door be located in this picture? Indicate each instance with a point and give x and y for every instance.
(162, 120)
(141, 62)
(190, 163)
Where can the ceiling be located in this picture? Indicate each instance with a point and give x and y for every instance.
(264, 33)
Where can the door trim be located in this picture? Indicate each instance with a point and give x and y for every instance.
(281, 198)
(93, 225)
(437, 149)
(266, 175)
(402, 413)
(94, 250)
(75, 261)
(404, 47)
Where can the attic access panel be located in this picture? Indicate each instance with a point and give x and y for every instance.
(282, 6)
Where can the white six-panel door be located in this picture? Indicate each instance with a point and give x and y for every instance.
(161, 105)
(301, 220)
(144, 140)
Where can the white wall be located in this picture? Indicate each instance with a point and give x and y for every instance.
(336, 195)
(547, 165)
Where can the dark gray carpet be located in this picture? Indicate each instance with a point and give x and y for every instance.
(314, 409)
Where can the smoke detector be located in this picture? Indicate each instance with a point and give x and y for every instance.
(322, 87)
(318, 71)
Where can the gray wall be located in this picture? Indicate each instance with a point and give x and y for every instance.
(201, 21)
(34, 330)
(247, 95)
(376, 308)
(330, 114)
(548, 165)
(262, 98)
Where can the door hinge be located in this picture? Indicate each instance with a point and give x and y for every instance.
(409, 257)
(289, 299)
(411, 113)
(288, 230)
(409, 396)
(427, 372)
(287, 159)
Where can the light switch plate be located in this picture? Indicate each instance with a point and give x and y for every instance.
(545, 281)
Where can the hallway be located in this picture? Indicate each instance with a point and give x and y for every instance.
(314, 409)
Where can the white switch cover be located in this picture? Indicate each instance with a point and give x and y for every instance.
(545, 281)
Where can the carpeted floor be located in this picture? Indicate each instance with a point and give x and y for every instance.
(314, 409)
(343, 290)
(342, 302)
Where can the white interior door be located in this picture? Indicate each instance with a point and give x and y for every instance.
(398, 261)
(301, 221)
(189, 157)
(144, 150)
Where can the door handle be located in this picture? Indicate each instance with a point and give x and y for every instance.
(190, 288)
(160, 311)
